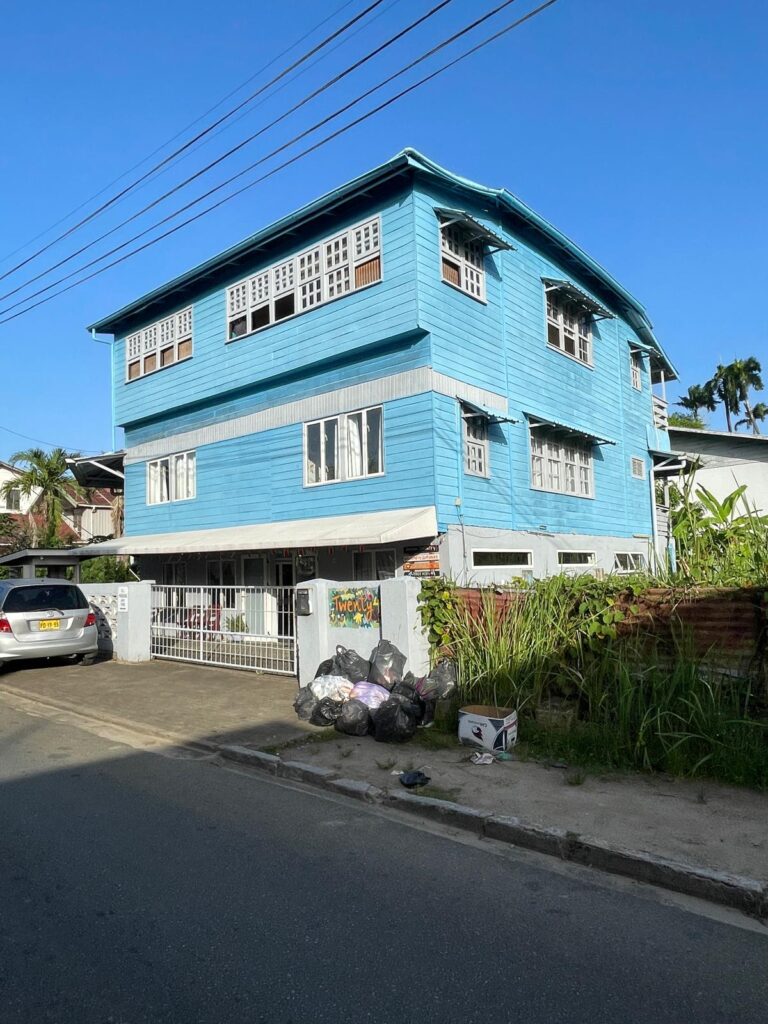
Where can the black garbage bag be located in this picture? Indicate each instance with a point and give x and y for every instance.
(409, 693)
(387, 664)
(355, 718)
(349, 664)
(396, 720)
(305, 703)
(326, 711)
(325, 668)
(441, 681)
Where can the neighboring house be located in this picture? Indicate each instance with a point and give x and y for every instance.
(412, 373)
(725, 461)
(15, 503)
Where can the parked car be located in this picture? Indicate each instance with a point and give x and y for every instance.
(45, 618)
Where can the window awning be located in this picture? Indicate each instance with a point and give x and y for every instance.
(471, 409)
(474, 228)
(99, 470)
(539, 421)
(671, 463)
(577, 296)
(388, 527)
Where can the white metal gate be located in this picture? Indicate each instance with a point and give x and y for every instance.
(236, 627)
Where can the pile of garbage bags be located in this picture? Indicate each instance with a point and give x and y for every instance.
(359, 697)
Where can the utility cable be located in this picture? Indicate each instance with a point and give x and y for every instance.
(305, 152)
(110, 202)
(230, 152)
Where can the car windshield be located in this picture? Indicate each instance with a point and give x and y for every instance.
(41, 597)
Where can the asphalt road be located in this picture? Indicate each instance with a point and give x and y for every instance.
(138, 888)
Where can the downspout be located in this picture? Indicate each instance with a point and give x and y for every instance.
(111, 383)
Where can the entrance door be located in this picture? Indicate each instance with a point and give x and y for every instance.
(284, 580)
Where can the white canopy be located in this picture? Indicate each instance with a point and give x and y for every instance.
(389, 527)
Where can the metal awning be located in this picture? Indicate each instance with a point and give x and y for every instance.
(388, 527)
(472, 409)
(474, 228)
(540, 421)
(577, 296)
(671, 463)
(99, 470)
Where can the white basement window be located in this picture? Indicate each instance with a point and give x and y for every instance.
(575, 558)
(160, 345)
(569, 327)
(628, 561)
(171, 479)
(345, 447)
(343, 263)
(561, 466)
(638, 469)
(476, 461)
(485, 558)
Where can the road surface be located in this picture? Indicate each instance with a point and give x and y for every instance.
(140, 888)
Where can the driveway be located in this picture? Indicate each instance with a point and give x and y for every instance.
(184, 702)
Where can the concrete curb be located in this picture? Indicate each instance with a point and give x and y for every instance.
(745, 894)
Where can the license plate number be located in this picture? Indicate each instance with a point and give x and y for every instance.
(49, 624)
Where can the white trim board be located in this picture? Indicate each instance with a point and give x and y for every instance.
(373, 392)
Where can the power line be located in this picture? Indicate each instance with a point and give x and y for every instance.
(49, 444)
(230, 152)
(110, 202)
(305, 152)
(178, 134)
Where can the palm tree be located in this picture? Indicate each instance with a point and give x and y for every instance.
(700, 396)
(46, 478)
(726, 391)
(731, 385)
(759, 412)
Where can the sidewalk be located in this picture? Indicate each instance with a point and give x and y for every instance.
(700, 824)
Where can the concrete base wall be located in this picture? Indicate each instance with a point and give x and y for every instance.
(124, 618)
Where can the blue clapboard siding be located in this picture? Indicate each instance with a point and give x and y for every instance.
(259, 478)
(348, 325)
(501, 345)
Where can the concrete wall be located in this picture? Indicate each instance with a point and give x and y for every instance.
(124, 616)
(317, 638)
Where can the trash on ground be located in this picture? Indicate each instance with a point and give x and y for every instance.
(350, 664)
(396, 720)
(488, 727)
(502, 755)
(335, 687)
(355, 718)
(412, 779)
(387, 664)
(478, 758)
(371, 694)
(304, 703)
(326, 711)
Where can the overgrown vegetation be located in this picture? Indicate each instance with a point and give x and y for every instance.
(106, 569)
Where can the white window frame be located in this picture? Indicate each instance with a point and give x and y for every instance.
(157, 339)
(13, 499)
(467, 255)
(313, 277)
(636, 368)
(636, 562)
(561, 466)
(590, 559)
(188, 460)
(568, 323)
(636, 464)
(504, 551)
(477, 451)
(344, 472)
(374, 556)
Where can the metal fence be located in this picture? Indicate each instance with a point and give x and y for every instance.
(236, 627)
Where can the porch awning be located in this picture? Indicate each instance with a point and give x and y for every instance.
(389, 527)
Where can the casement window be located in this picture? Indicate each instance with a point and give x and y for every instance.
(13, 499)
(462, 260)
(569, 327)
(171, 478)
(628, 561)
(336, 266)
(345, 447)
(483, 558)
(575, 558)
(561, 466)
(638, 469)
(476, 460)
(160, 345)
(374, 565)
(636, 368)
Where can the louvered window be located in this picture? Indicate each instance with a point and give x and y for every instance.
(569, 328)
(462, 261)
(159, 345)
(344, 263)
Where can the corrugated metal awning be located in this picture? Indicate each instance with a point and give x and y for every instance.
(576, 295)
(474, 228)
(471, 409)
(541, 421)
(388, 527)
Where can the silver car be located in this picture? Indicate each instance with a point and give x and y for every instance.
(45, 618)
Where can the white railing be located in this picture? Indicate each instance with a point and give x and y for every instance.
(660, 414)
(236, 627)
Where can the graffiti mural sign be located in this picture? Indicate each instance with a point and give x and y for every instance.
(355, 607)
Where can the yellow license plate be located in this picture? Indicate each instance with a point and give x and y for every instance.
(49, 624)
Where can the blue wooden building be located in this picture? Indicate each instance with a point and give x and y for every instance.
(412, 372)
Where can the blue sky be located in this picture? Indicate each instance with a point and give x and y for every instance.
(636, 128)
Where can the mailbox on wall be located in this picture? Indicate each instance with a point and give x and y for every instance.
(303, 602)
